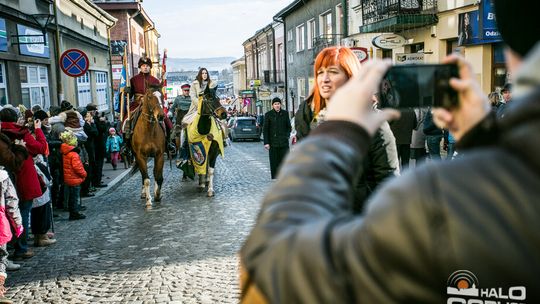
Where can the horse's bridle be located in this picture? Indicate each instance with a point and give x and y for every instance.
(212, 108)
(149, 117)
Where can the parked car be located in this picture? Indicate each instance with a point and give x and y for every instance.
(244, 128)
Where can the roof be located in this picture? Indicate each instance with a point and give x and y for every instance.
(289, 9)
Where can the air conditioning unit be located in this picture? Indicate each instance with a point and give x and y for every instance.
(349, 42)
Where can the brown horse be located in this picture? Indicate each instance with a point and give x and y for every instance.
(149, 141)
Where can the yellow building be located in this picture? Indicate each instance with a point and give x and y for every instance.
(431, 31)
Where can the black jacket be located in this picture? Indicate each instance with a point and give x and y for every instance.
(277, 128)
(479, 213)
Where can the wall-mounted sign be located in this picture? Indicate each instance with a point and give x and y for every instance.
(255, 83)
(361, 53)
(489, 25)
(389, 41)
(412, 58)
(27, 35)
(117, 71)
(3, 35)
(74, 63)
(247, 94)
(117, 47)
(478, 27)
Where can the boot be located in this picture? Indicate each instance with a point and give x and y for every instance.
(3, 299)
(42, 240)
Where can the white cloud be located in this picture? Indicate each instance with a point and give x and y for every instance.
(210, 28)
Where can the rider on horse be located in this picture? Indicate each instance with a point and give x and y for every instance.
(139, 84)
(179, 109)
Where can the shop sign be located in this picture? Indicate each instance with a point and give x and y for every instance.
(27, 35)
(3, 35)
(478, 27)
(255, 83)
(117, 71)
(389, 41)
(361, 53)
(411, 58)
(247, 94)
(489, 25)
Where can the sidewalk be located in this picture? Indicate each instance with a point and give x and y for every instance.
(113, 178)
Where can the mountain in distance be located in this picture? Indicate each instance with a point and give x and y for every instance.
(193, 64)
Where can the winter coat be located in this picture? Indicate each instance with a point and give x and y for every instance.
(302, 119)
(9, 208)
(114, 143)
(74, 173)
(72, 121)
(194, 92)
(418, 140)
(277, 128)
(403, 127)
(27, 182)
(477, 213)
(381, 163)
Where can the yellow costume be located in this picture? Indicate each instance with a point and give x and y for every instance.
(199, 145)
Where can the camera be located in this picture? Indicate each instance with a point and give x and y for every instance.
(418, 86)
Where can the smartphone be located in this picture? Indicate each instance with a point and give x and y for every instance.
(418, 86)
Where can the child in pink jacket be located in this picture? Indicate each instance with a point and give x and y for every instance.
(9, 213)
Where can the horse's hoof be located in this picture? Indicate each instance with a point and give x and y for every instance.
(210, 193)
(201, 189)
(148, 207)
(157, 199)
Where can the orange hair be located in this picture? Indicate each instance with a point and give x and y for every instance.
(336, 55)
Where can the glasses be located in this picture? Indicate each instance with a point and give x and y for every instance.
(186, 90)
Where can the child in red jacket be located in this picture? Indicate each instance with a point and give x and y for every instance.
(74, 174)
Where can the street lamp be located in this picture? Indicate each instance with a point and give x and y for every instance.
(43, 21)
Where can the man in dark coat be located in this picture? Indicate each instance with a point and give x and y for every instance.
(277, 129)
(99, 145)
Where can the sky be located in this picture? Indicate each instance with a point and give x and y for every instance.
(209, 28)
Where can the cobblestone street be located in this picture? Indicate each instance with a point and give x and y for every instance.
(182, 251)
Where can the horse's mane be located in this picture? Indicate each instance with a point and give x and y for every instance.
(154, 88)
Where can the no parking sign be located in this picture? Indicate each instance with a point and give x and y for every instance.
(74, 62)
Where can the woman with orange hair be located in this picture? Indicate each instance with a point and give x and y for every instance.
(333, 68)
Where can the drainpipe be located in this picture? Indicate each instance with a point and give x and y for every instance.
(345, 21)
(110, 71)
(59, 89)
(286, 80)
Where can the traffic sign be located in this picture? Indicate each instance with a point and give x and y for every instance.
(74, 62)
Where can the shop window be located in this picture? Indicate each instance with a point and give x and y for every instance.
(84, 94)
(34, 85)
(3, 85)
(451, 46)
(101, 91)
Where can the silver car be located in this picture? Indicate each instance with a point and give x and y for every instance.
(244, 128)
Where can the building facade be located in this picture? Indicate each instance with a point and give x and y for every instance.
(134, 32)
(264, 68)
(33, 36)
(309, 27)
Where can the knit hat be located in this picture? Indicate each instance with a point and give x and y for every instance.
(91, 107)
(276, 100)
(41, 115)
(65, 105)
(112, 130)
(54, 110)
(68, 138)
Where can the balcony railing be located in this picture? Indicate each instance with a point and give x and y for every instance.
(323, 41)
(273, 77)
(397, 15)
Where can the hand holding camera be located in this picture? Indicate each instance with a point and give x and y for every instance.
(37, 124)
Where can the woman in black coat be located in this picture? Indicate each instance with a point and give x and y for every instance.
(333, 68)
